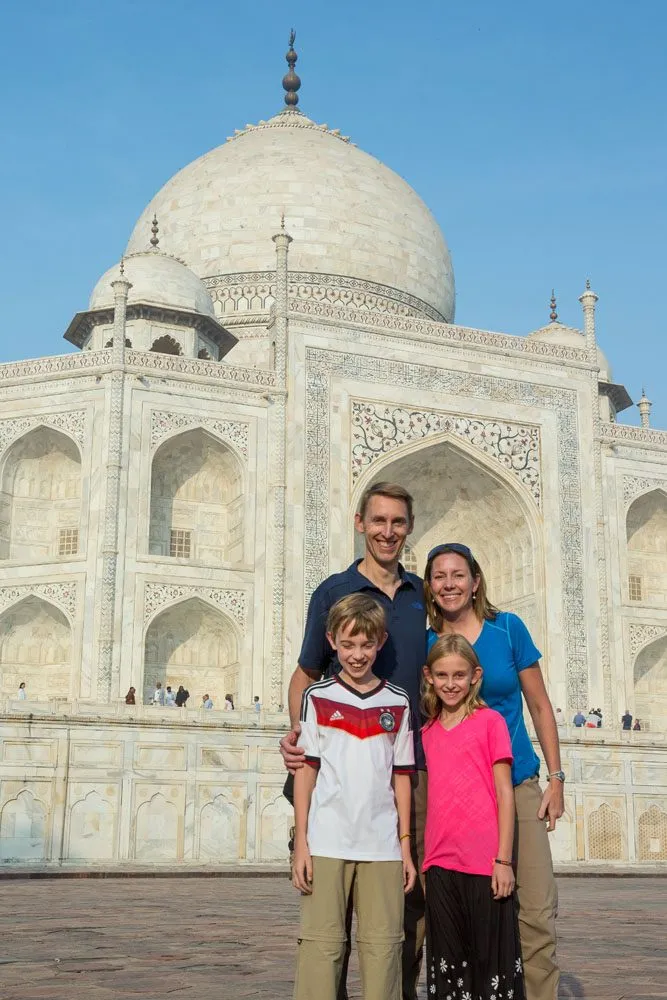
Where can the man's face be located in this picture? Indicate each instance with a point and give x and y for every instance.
(385, 527)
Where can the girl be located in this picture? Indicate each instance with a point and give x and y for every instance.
(472, 936)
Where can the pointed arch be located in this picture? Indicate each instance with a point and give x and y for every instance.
(158, 830)
(650, 681)
(40, 496)
(35, 647)
(92, 829)
(462, 495)
(166, 345)
(646, 533)
(23, 828)
(197, 499)
(194, 643)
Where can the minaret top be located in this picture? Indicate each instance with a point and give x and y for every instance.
(155, 239)
(291, 82)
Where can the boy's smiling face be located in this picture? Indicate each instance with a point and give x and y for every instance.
(356, 654)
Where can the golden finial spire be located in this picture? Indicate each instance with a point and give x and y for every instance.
(291, 81)
(553, 315)
(155, 239)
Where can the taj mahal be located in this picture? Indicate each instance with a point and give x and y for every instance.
(279, 334)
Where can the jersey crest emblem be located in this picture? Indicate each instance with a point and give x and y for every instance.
(336, 716)
(387, 721)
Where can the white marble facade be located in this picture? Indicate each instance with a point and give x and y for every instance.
(171, 494)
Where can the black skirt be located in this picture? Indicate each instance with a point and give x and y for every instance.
(472, 939)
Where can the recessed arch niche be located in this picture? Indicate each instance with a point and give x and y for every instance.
(197, 500)
(35, 647)
(458, 498)
(650, 678)
(646, 529)
(40, 497)
(193, 644)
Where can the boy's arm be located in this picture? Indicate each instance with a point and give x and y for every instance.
(403, 797)
(302, 870)
(502, 880)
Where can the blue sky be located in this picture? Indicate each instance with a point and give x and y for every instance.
(535, 133)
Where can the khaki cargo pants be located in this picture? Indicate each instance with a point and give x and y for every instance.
(377, 890)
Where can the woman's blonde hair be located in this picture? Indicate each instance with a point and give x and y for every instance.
(450, 645)
(481, 604)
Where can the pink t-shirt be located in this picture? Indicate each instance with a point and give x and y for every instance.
(462, 811)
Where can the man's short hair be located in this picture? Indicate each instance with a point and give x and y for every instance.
(364, 613)
(392, 490)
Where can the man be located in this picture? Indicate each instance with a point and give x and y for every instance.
(206, 701)
(158, 694)
(579, 720)
(626, 721)
(385, 519)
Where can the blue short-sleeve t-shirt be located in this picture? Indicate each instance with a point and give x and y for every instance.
(505, 648)
(403, 655)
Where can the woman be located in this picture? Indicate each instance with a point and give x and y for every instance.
(456, 602)
(229, 703)
(129, 697)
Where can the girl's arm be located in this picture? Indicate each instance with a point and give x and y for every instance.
(502, 880)
(403, 797)
(302, 870)
(542, 714)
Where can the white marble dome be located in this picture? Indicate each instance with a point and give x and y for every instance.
(348, 214)
(157, 279)
(569, 336)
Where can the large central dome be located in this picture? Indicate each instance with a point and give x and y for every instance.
(349, 215)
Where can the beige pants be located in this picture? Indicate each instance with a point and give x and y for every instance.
(535, 889)
(377, 888)
(536, 893)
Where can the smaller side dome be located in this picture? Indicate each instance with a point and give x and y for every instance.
(568, 336)
(159, 280)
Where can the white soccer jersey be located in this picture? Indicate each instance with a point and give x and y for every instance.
(357, 741)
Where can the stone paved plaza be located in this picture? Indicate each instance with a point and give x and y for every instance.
(233, 938)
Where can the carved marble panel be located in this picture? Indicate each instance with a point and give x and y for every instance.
(378, 428)
(64, 595)
(71, 421)
(634, 485)
(157, 595)
(233, 431)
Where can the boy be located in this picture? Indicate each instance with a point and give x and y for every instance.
(351, 826)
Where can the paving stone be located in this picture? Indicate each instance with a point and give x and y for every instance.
(234, 939)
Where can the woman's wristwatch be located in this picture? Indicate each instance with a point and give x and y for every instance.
(557, 774)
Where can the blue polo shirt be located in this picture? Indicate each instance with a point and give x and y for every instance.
(404, 653)
(504, 647)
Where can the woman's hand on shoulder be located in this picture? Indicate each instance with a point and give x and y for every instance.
(502, 880)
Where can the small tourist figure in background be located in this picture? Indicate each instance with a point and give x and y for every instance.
(626, 721)
(637, 727)
(560, 718)
(472, 931)
(23, 694)
(229, 703)
(257, 705)
(158, 694)
(181, 696)
(598, 712)
(129, 697)
(206, 701)
(592, 720)
(579, 721)
(169, 698)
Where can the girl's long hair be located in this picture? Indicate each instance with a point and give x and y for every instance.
(450, 645)
(481, 604)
